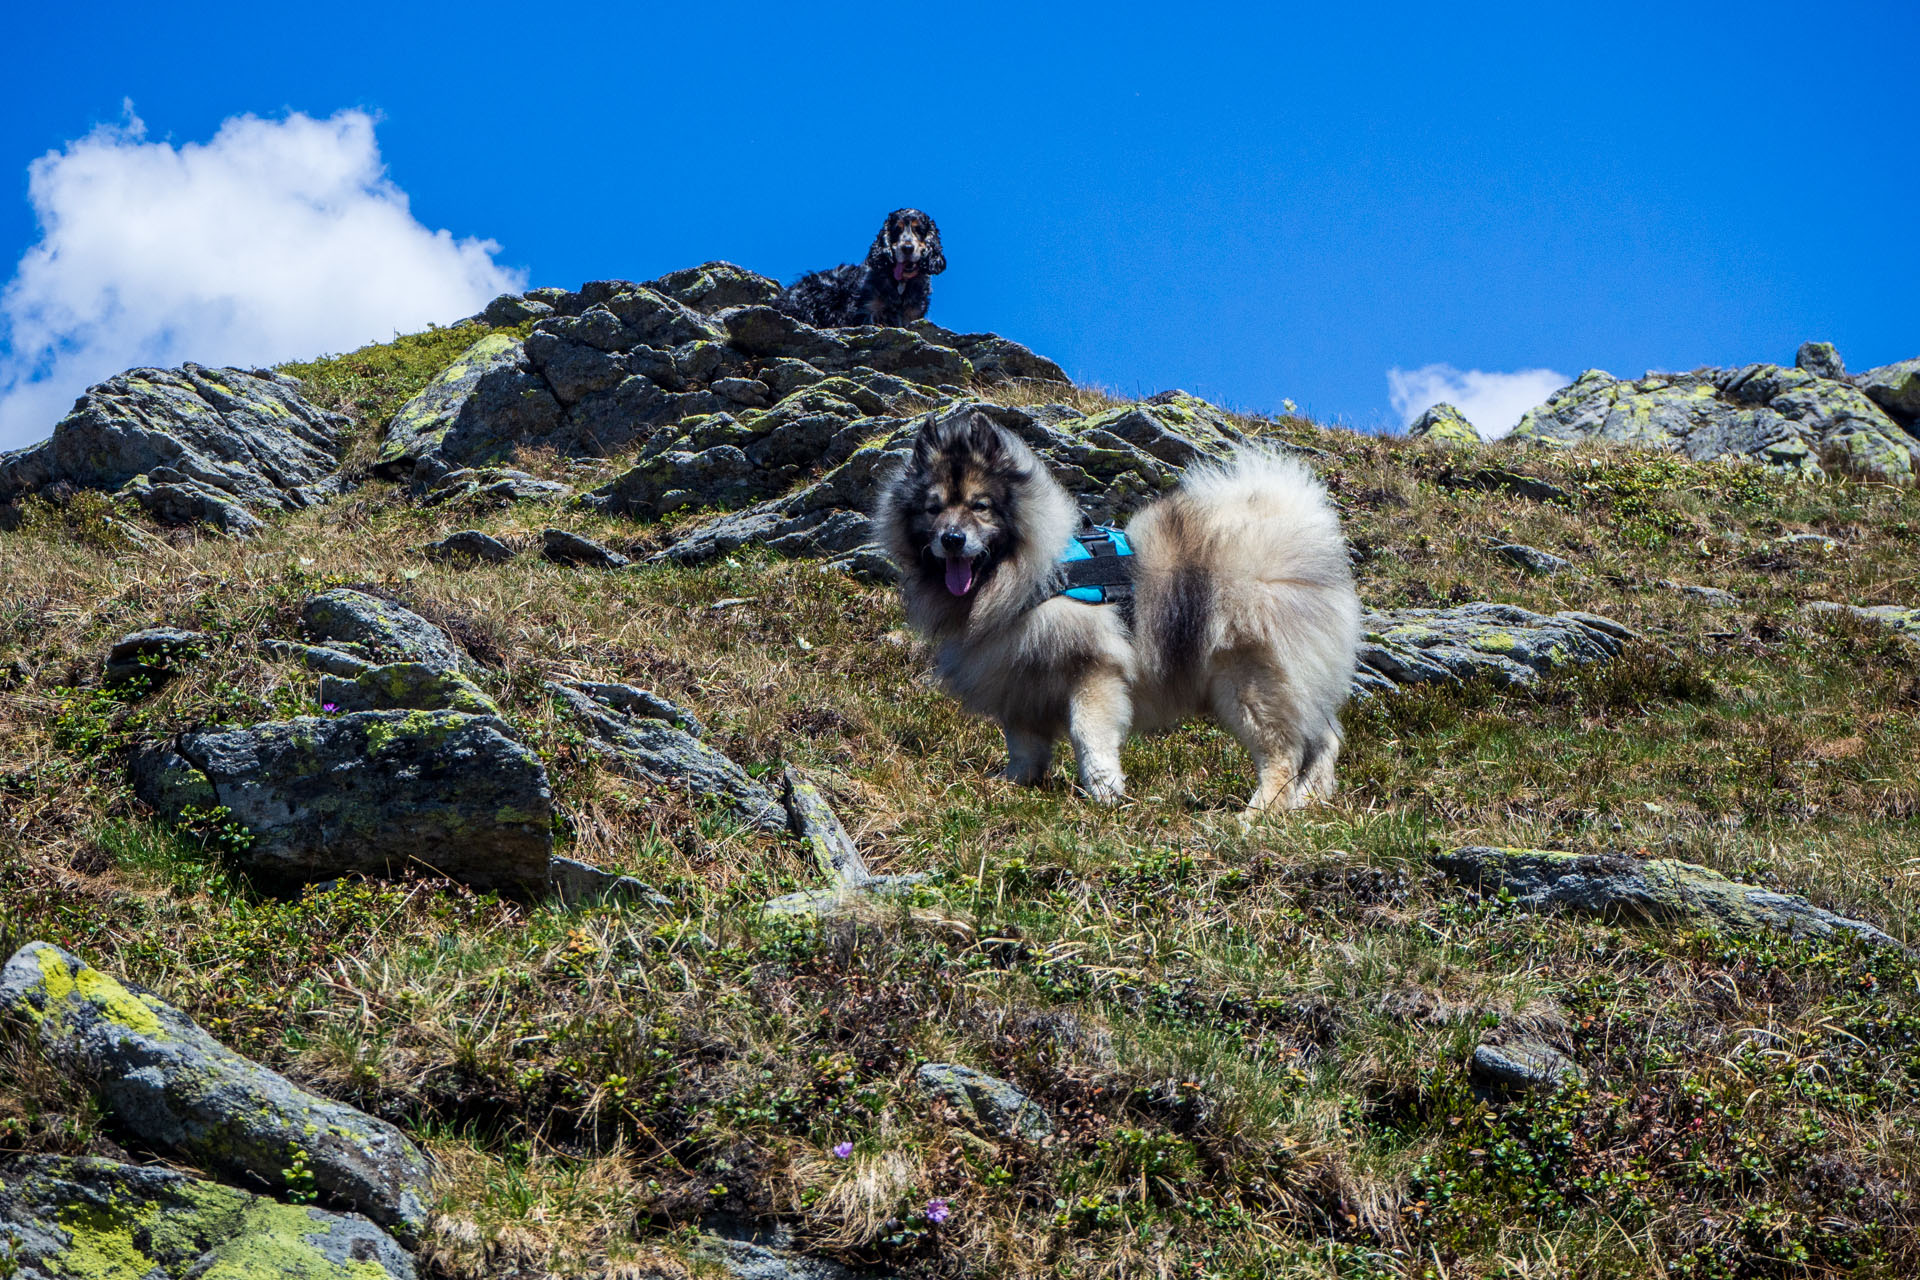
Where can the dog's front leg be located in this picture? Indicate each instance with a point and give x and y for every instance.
(1028, 755)
(1098, 716)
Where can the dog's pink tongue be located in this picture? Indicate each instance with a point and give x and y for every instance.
(959, 575)
(900, 273)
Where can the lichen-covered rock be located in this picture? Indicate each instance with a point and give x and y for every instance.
(994, 358)
(715, 286)
(813, 820)
(1821, 360)
(175, 1086)
(1445, 424)
(1792, 420)
(562, 547)
(405, 686)
(478, 409)
(372, 793)
(221, 444)
(1498, 642)
(380, 628)
(152, 654)
(91, 1219)
(1615, 885)
(658, 752)
(1895, 388)
(839, 899)
(470, 545)
(1717, 597)
(995, 1104)
(756, 1254)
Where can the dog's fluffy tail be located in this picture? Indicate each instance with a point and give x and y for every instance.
(1247, 554)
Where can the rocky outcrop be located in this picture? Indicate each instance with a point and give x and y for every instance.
(492, 486)
(1615, 885)
(575, 882)
(373, 793)
(91, 1219)
(656, 751)
(1501, 643)
(175, 1086)
(1796, 421)
(685, 367)
(367, 626)
(224, 446)
(1445, 424)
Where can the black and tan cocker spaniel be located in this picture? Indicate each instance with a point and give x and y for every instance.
(891, 287)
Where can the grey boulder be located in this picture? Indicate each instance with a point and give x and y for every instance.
(372, 793)
(1522, 1062)
(405, 686)
(177, 1087)
(191, 443)
(1821, 360)
(1895, 388)
(1532, 559)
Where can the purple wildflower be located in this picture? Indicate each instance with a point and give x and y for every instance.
(842, 1151)
(328, 707)
(938, 1212)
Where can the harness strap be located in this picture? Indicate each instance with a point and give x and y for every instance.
(1102, 573)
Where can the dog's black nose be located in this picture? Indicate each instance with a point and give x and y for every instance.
(953, 540)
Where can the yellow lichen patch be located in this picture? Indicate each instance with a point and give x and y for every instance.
(116, 1002)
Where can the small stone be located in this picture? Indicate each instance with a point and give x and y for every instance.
(1715, 596)
(995, 1104)
(174, 1085)
(563, 547)
(324, 658)
(470, 544)
(1523, 1063)
(374, 792)
(574, 882)
(823, 904)
(630, 701)
(153, 654)
(1532, 559)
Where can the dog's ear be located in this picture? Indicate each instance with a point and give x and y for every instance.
(936, 256)
(880, 252)
(986, 441)
(928, 442)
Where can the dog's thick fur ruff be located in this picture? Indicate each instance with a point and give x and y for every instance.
(1244, 609)
(892, 287)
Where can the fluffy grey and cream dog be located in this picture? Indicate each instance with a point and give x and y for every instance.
(1244, 609)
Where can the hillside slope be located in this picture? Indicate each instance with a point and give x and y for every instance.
(1327, 1044)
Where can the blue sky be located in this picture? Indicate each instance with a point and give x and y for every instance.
(1252, 202)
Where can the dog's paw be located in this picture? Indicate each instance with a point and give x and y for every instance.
(1107, 791)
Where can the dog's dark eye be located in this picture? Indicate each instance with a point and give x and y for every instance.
(981, 504)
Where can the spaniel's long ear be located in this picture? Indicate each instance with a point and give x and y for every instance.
(936, 256)
(880, 252)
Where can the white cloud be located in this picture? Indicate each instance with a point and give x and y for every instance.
(1492, 402)
(275, 240)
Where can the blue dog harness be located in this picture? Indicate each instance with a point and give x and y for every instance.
(1097, 568)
